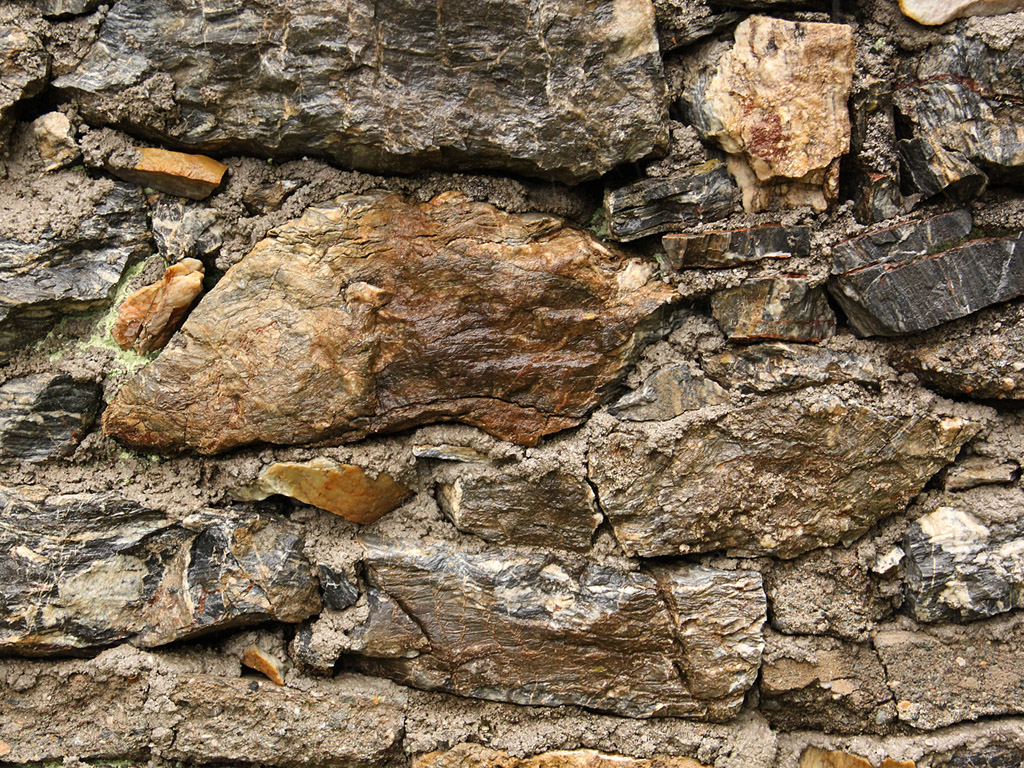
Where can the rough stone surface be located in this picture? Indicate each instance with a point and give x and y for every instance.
(777, 104)
(176, 173)
(477, 756)
(768, 480)
(819, 683)
(973, 471)
(812, 757)
(148, 318)
(961, 105)
(935, 12)
(60, 8)
(343, 489)
(256, 658)
(780, 367)
(920, 665)
(735, 247)
(24, 68)
(916, 276)
(378, 314)
(962, 566)
(651, 206)
(44, 415)
(184, 230)
(564, 89)
(782, 308)
(87, 570)
(546, 630)
(82, 268)
(55, 140)
(667, 393)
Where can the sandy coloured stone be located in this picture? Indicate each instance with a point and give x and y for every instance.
(343, 489)
(782, 367)
(933, 12)
(812, 757)
(256, 658)
(378, 313)
(176, 173)
(24, 68)
(148, 318)
(781, 307)
(470, 755)
(55, 140)
(666, 393)
(777, 104)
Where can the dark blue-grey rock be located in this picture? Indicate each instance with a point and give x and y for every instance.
(736, 247)
(560, 89)
(782, 308)
(918, 275)
(43, 415)
(550, 629)
(338, 592)
(962, 103)
(80, 572)
(44, 276)
(653, 206)
(24, 69)
(780, 367)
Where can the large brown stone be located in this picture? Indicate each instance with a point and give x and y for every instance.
(379, 313)
(780, 308)
(773, 477)
(777, 104)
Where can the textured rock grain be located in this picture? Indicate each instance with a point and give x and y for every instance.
(721, 249)
(477, 756)
(934, 12)
(43, 415)
(378, 314)
(148, 318)
(24, 67)
(781, 307)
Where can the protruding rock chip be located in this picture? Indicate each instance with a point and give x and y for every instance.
(934, 12)
(544, 629)
(55, 140)
(667, 393)
(148, 318)
(343, 489)
(176, 173)
(771, 478)
(813, 757)
(378, 314)
(44, 415)
(185, 230)
(735, 247)
(784, 308)
(24, 67)
(469, 755)
(562, 89)
(256, 658)
(973, 471)
(777, 104)
(778, 367)
(88, 570)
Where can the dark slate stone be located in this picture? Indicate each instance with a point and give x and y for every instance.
(652, 206)
(339, 593)
(903, 242)
(735, 247)
(560, 89)
(44, 415)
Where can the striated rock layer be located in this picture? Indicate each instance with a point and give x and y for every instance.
(379, 313)
(562, 89)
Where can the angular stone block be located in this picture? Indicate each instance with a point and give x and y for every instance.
(43, 415)
(736, 247)
(779, 367)
(668, 392)
(934, 12)
(470, 755)
(176, 173)
(148, 318)
(783, 308)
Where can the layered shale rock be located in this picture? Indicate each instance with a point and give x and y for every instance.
(719, 249)
(44, 415)
(547, 630)
(379, 313)
(87, 570)
(667, 393)
(966, 562)
(961, 104)
(24, 68)
(477, 756)
(777, 104)
(148, 318)
(781, 307)
(940, 11)
(561, 89)
(918, 275)
(779, 367)
(82, 265)
(772, 477)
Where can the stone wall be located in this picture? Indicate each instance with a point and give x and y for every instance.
(491, 383)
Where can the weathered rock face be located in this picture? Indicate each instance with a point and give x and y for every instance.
(974, 471)
(88, 570)
(940, 11)
(563, 89)
(783, 308)
(55, 140)
(961, 104)
(548, 630)
(916, 276)
(176, 173)
(778, 367)
(343, 489)
(148, 318)
(736, 247)
(477, 756)
(184, 230)
(24, 67)
(764, 479)
(651, 206)
(667, 393)
(82, 266)
(777, 104)
(959, 567)
(44, 415)
(812, 757)
(379, 314)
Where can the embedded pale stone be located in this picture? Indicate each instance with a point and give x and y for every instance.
(55, 140)
(812, 757)
(256, 658)
(343, 489)
(779, 367)
(933, 12)
(148, 318)
(667, 393)
(378, 313)
(176, 173)
(470, 755)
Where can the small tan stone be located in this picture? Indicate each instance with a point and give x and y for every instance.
(5, 749)
(176, 173)
(933, 12)
(476, 756)
(819, 758)
(55, 140)
(149, 317)
(258, 659)
(343, 489)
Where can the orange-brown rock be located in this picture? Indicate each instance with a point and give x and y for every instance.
(813, 757)
(256, 658)
(468, 755)
(176, 173)
(148, 318)
(343, 489)
(379, 313)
